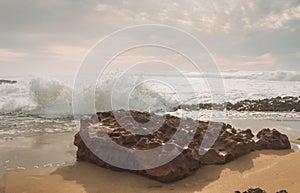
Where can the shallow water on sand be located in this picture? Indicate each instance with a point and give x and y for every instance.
(41, 150)
(46, 142)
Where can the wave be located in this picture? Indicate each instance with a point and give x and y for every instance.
(252, 75)
(54, 97)
(37, 95)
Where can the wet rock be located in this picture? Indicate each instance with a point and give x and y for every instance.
(8, 82)
(272, 139)
(288, 103)
(170, 134)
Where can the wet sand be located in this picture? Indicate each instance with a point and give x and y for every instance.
(46, 163)
(270, 170)
(36, 151)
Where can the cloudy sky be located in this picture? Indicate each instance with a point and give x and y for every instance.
(51, 36)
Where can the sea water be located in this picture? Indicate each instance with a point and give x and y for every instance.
(38, 104)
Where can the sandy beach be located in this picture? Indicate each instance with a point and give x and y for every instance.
(149, 96)
(270, 170)
(46, 163)
(40, 150)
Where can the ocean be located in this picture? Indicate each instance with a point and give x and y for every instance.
(36, 104)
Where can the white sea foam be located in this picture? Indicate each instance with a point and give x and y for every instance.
(48, 96)
(252, 75)
(36, 104)
(37, 96)
(54, 95)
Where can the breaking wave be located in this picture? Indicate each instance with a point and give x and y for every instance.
(54, 97)
(33, 95)
(253, 75)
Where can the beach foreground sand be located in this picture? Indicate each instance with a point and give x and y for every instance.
(271, 170)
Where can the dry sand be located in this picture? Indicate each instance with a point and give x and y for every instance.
(270, 170)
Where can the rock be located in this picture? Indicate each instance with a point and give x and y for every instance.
(288, 103)
(229, 145)
(255, 190)
(272, 139)
(8, 82)
(183, 165)
(258, 190)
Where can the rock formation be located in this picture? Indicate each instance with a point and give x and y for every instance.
(8, 82)
(253, 190)
(272, 139)
(258, 190)
(229, 145)
(281, 104)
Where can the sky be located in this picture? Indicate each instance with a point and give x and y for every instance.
(53, 36)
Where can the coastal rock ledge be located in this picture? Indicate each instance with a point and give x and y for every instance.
(229, 145)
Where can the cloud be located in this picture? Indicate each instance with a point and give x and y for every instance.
(235, 61)
(232, 28)
(265, 59)
(66, 53)
(7, 55)
(101, 7)
(279, 20)
(297, 54)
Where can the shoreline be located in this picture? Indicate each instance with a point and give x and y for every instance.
(271, 170)
(45, 161)
(21, 151)
(36, 151)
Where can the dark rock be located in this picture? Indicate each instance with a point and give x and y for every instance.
(288, 103)
(272, 139)
(255, 190)
(8, 81)
(229, 145)
(258, 190)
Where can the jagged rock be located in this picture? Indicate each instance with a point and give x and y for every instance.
(8, 81)
(229, 146)
(230, 143)
(282, 191)
(251, 190)
(258, 190)
(272, 139)
(287, 103)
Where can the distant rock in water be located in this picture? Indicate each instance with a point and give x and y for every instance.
(288, 103)
(8, 81)
(229, 145)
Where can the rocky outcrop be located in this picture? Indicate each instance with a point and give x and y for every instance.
(229, 145)
(282, 191)
(272, 139)
(287, 103)
(258, 190)
(253, 190)
(8, 82)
